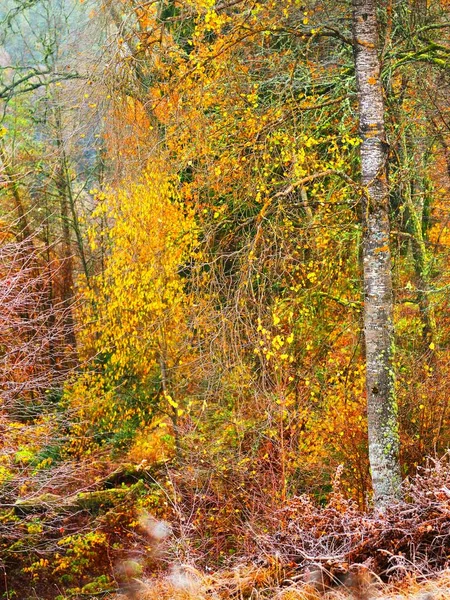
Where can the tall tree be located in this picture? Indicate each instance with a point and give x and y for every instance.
(378, 299)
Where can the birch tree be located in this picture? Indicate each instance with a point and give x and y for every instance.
(378, 299)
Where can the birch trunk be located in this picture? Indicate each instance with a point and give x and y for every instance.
(378, 300)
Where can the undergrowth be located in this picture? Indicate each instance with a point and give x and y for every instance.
(163, 533)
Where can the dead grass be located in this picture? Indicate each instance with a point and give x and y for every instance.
(250, 583)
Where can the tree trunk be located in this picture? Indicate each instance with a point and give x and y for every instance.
(421, 268)
(24, 230)
(412, 154)
(67, 270)
(378, 300)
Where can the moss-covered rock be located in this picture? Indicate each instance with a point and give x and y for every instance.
(90, 501)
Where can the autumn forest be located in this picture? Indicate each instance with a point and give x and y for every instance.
(224, 299)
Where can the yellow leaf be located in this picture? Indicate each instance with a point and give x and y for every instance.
(171, 401)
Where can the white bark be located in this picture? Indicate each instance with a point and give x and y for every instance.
(378, 302)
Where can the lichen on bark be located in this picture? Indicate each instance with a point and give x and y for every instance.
(378, 299)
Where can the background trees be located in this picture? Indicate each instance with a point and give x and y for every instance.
(182, 216)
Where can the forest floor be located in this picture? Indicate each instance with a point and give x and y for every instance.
(189, 584)
(335, 552)
(120, 539)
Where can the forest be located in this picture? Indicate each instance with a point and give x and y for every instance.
(224, 299)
